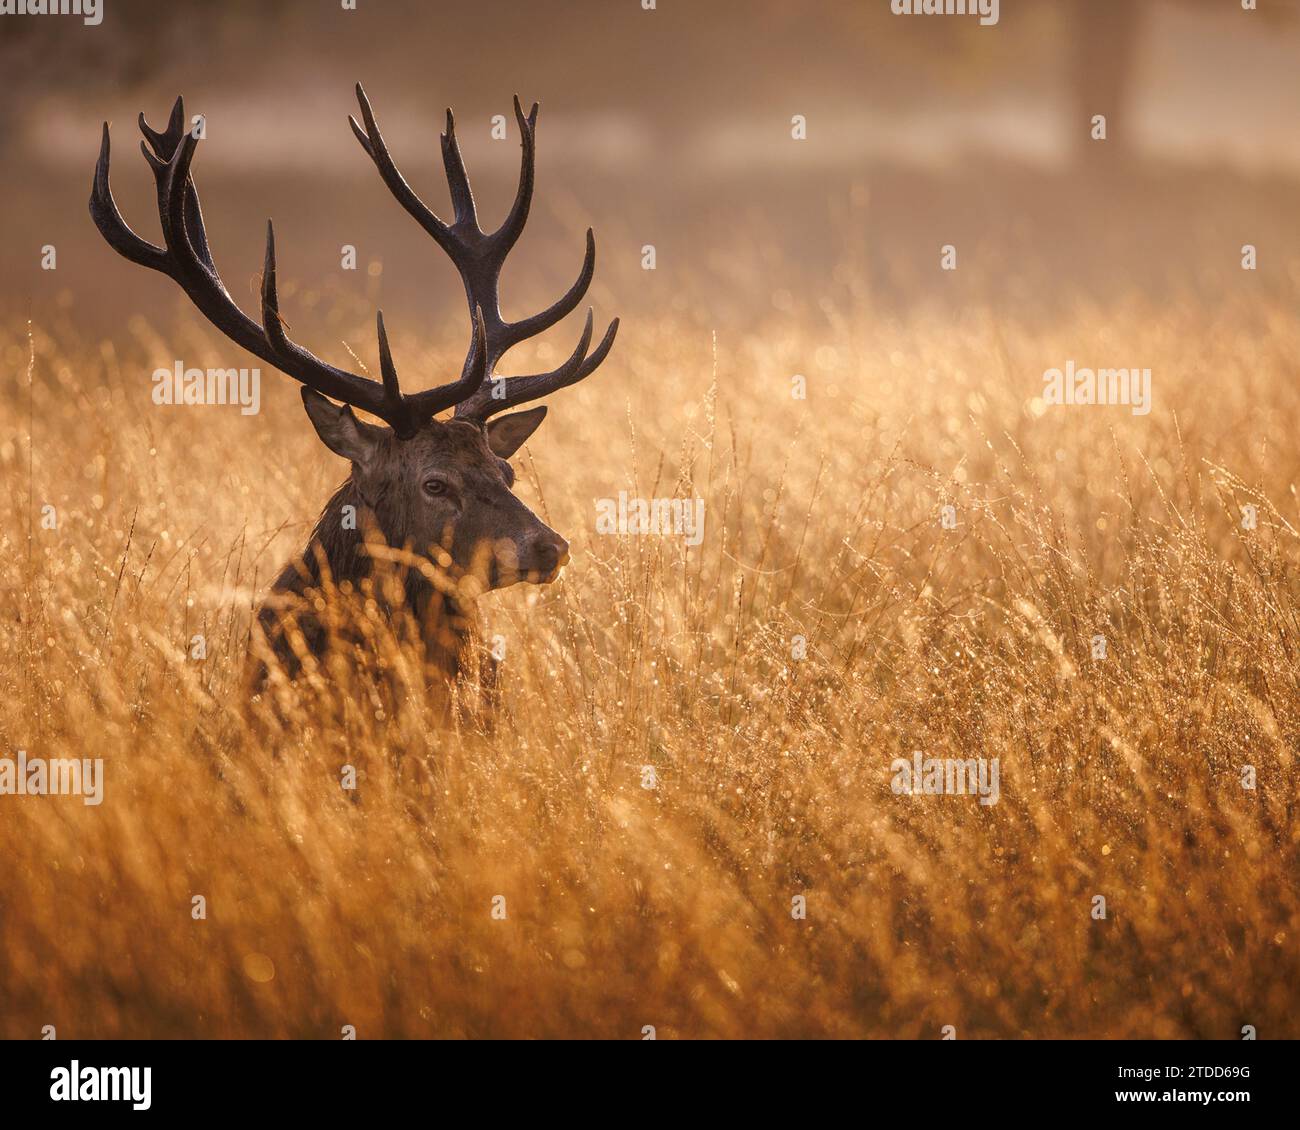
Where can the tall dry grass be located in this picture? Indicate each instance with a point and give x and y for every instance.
(672, 907)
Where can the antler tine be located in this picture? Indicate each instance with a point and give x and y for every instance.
(520, 390)
(479, 258)
(172, 192)
(557, 377)
(404, 414)
(424, 405)
(272, 324)
(472, 379)
(391, 388)
(187, 260)
(108, 219)
(301, 364)
(462, 198)
(539, 323)
(503, 239)
(372, 141)
(164, 143)
(164, 146)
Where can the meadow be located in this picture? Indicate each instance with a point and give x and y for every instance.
(828, 623)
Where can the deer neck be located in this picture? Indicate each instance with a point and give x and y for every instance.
(337, 549)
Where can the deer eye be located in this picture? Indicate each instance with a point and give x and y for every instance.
(435, 487)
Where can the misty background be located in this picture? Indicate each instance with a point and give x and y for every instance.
(670, 128)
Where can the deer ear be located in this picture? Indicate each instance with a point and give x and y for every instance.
(339, 429)
(506, 434)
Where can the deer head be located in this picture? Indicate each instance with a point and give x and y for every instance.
(435, 486)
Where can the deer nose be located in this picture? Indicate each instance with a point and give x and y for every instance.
(547, 552)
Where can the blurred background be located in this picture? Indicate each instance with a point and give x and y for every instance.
(774, 257)
(672, 127)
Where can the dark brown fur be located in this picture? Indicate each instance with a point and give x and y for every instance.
(473, 535)
(426, 520)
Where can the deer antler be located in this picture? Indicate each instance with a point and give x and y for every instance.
(479, 257)
(187, 259)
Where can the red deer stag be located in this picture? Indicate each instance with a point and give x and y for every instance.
(438, 489)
